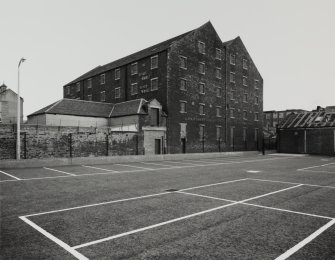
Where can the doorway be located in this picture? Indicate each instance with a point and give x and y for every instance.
(183, 145)
(157, 146)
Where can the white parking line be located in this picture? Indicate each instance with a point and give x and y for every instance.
(55, 239)
(294, 183)
(304, 242)
(187, 163)
(172, 220)
(315, 166)
(55, 170)
(316, 171)
(144, 168)
(256, 205)
(98, 168)
(16, 178)
(160, 164)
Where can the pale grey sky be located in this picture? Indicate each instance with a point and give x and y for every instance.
(291, 41)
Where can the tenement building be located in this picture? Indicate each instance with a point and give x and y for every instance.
(210, 91)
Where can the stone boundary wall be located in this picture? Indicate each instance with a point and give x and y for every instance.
(67, 142)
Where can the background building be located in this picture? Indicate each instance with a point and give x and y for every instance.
(308, 132)
(211, 91)
(8, 106)
(273, 118)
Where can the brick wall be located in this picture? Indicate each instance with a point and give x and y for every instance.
(58, 142)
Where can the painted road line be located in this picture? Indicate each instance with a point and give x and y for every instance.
(315, 166)
(316, 171)
(253, 171)
(304, 242)
(16, 178)
(294, 183)
(98, 168)
(98, 204)
(213, 184)
(55, 170)
(127, 165)
(256, 205)
(190, 165)
(159, 164)
(215, 161)
(186, 163)
(54, 239)
(172, 220)
(151, 227)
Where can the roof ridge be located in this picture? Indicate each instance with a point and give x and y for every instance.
(56, 103)
(81, 100)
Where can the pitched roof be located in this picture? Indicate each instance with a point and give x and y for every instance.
(93, 109)
(130, 58)
(314, 119)
(77, 108)
(131, 107)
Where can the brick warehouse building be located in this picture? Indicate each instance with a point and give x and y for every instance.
(210, 91)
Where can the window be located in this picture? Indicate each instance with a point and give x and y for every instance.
(281, 115)
(218, 132)
(89, 83)
(232, 135)
(218, 73)
(256, 134)
(256, 100)
(256, 84)
(78, 87)
(133, 89)
(103, 96)
(256, 116)
(232, 95)
(245, 97)
(202, 109)
(202, 88)
(267, 116)
(232, 59)
(245, 64)
(275, 115)
(154, 62)
(244, 134)
(68, 90)
(133, 68)
(117, 92)
(201, 67)
(218, 92)
(202, 132)
(182, 84)
(201, 47)
(218, 54)
(218, 111)
(154, 115)
(232, 77)
(245, 115)
(232, 113)
(245, 81)
(117, 74)
(183, 106)
(102, 79)
(183, 62)
(89, 97)
(154, 84)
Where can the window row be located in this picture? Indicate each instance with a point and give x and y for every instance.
(245, 114)
(244, 135)
(153, 86)
(219, 55)
(117, 95)
(183, 108)
(184, 84)
(232, 61)
(201, 67)
(245, 97)
(232, 79)
(218, 130)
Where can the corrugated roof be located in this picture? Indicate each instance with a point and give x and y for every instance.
(308, 120)
(77, 107)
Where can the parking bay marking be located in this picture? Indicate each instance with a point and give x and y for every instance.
(16, 178)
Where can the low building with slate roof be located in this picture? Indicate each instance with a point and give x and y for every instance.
(308, 132)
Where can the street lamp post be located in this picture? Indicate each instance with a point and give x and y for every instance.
(18, 130)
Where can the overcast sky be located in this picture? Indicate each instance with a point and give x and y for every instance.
(292, 42)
